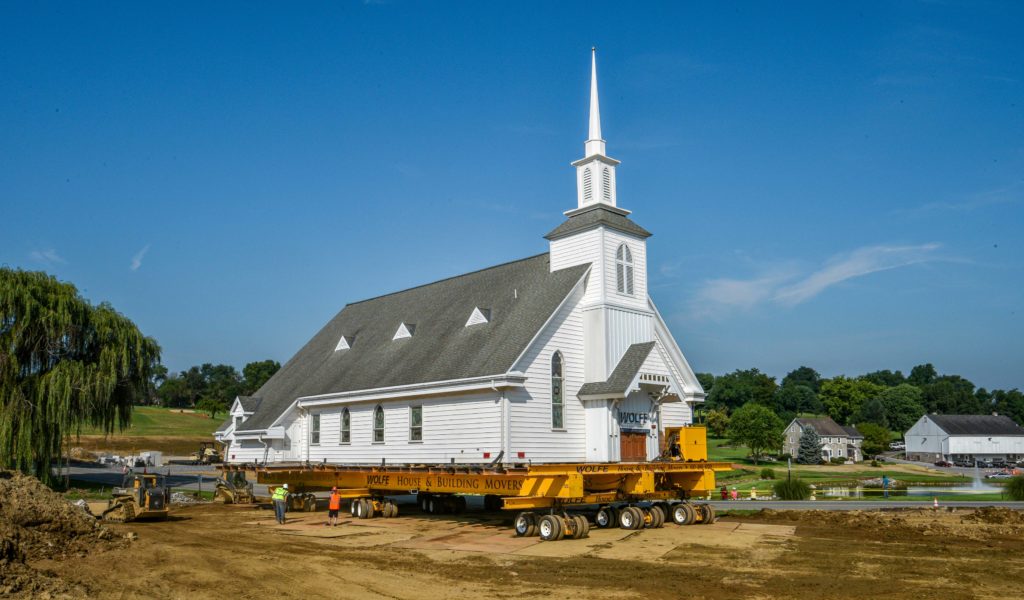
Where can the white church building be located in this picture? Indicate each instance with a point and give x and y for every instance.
(559, 357)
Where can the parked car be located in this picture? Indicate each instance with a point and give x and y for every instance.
(943, 463)
(999, 476)
(897, 446)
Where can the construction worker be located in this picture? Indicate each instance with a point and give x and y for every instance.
(280, 498)
(333, 507)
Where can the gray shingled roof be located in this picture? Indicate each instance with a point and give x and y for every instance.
(249, 403)
(223, 426)
(824, 426)
(594, 216)
(977, 424)
(852, 431)
(629, 365)
(521, 295)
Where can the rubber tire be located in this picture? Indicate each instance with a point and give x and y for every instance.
(707, 513)
(606, 517)
(657, 517)
(642, 523)
(353, 506)
(629, 519)
(550, 528)
(680, 515)
(365, 508)
(563, 527)
(584, 527)
(523, 523)
(394, 510)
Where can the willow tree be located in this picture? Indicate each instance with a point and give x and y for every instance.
(64, 364)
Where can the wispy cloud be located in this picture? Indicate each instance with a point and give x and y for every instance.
(789, 286)
(137, 259)
(1009, 194)
(48, 256)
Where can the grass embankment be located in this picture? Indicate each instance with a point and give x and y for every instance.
(746, 475)
(174, 432)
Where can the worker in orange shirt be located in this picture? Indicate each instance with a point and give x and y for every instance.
(333, 508)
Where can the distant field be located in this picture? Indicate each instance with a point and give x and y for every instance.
(148, 421)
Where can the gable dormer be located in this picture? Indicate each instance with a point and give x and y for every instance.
(405, 330)
(479, 316)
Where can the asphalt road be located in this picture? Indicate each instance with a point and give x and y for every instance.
(855, 504)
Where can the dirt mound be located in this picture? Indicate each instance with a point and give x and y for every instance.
(37, 523)
(81, 454)
(995, 516)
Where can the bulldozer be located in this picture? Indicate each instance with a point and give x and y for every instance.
(206, 455)
(140, 497)
(234, 488)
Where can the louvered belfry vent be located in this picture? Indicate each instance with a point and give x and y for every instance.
(606, 181)
(479, 316)
(588, 189)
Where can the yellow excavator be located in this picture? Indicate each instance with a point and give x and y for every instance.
(140, 497)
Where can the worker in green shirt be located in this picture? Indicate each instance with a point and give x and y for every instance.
(280, 498)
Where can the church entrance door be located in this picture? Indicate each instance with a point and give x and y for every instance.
(633, 446)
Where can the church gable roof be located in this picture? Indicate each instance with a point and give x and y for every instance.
(594, 216)
(521, 295)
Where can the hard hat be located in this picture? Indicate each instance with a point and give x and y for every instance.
(285, 486)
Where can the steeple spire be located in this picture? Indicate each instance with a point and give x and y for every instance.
(594, 145)
(595, 172)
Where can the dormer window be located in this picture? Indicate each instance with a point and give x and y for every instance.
(624, 270)
(479, 316)
(344, 343)
(405, 330)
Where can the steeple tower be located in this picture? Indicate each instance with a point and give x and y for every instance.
(595, 172)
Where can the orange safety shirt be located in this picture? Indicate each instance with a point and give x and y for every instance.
(335, 502)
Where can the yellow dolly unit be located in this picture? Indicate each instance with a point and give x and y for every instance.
(628, 495)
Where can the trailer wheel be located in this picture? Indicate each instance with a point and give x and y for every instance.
(353, 507)
(681, 515)
(582, 527)
(310, 503)
(365, 508)
(550, 528)
(394, 509)
(655, 518)
(707, 514)
(606, 517)
(525, 523)
(631, 518)
(571, 527)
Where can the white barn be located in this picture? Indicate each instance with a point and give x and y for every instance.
(965, 438)
(559, 357)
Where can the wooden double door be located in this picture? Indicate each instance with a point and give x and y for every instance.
(633, 446)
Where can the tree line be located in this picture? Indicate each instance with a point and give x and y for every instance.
(752, 408)
(208, 387)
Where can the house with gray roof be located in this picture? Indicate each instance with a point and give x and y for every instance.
(558, 357)
(837, 441)
(965, 438)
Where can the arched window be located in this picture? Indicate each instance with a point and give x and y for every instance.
(557, 390)
(588, 187)
(624, 270)
(346, 427)
(378, 424)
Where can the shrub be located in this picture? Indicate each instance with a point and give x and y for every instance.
(767, 473)
(837, 460)
(1015, 488)
(792, 489)
(875, 463)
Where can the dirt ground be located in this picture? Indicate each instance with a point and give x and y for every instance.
(211, 550)
(170, 445)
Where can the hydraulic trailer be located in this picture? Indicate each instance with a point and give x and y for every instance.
(628, 495)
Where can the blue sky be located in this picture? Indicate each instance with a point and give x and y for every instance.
(839, 185)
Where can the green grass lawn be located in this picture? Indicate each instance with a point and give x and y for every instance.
(148, 421)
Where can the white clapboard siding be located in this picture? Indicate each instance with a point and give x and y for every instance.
(530, 408)
(579, 249)
(461, 427)
(625, 328)
(245, 451)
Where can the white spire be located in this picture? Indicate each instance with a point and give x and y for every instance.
(594, 145)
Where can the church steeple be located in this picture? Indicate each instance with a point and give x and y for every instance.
(595, 172)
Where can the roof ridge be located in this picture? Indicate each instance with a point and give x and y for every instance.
(422, 285)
